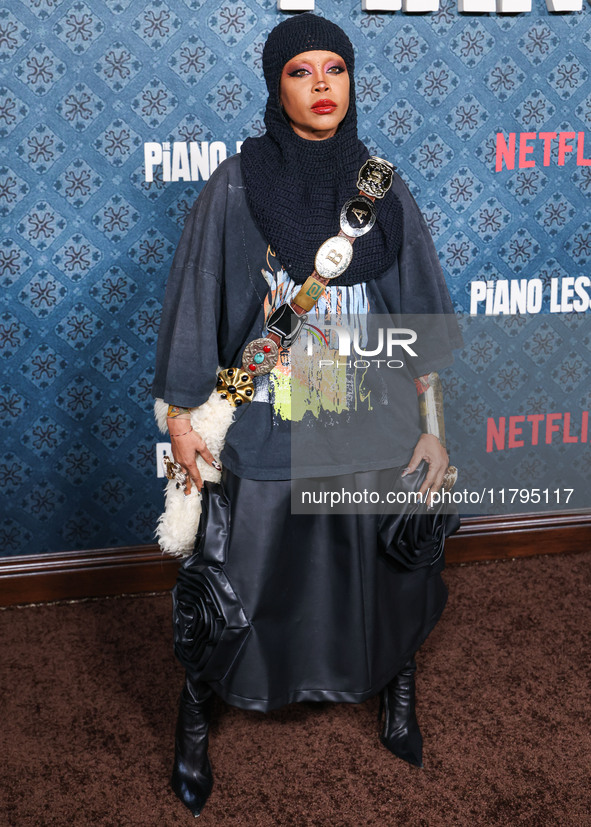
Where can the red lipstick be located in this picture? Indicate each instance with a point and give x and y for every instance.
(324, 106)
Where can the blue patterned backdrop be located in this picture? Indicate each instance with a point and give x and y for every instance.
(86, 243)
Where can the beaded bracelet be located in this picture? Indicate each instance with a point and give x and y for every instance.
(183, 434)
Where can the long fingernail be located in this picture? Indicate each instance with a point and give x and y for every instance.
(216, 465)
(404, 473)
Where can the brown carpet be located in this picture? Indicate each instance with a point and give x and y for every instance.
(89, 690)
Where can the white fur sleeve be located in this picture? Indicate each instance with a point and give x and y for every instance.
(178, 524)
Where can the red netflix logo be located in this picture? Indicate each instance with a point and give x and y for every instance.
(510, 150)
(533, 429)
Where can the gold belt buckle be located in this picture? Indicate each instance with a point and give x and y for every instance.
(235, 385)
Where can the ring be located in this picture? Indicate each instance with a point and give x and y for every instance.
(174, 471)
(450, 478)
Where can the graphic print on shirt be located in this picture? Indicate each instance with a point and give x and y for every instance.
(293, 391)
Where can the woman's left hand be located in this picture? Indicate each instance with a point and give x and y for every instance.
(430, 449)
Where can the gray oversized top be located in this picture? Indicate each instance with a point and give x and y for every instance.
(214, 305)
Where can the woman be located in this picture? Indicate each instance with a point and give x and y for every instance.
(299, 607)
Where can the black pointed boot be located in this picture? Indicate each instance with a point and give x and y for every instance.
(401, 733)
(192, 779)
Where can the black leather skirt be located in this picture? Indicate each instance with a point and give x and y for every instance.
(275, 608)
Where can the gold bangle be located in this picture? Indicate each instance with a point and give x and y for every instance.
(176, 410)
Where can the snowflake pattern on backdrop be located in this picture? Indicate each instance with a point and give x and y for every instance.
(87, 242)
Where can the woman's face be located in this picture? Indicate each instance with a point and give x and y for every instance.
(314, 92)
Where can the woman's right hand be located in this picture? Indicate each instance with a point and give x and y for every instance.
(185, 448)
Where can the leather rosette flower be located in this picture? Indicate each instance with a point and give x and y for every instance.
(209, 623)
(415, 537)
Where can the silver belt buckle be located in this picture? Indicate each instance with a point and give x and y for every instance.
(333, 257)
(375, 177)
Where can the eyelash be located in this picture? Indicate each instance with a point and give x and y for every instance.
(296, 72)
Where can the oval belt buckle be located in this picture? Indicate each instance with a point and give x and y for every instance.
(333, 257)
(260, 357)
(358, 216)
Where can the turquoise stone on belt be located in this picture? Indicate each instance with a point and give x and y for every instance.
(260, 356)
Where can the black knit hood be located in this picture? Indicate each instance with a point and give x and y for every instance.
(296, 187)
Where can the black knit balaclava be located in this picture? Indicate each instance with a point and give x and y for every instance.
(296, 187)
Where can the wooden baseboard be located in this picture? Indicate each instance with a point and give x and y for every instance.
(39, 578)
(135, 569)
(519, 535)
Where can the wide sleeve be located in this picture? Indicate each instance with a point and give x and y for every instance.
(424, 297)
(187, 352)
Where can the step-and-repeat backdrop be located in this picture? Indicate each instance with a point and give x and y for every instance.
(114, 112)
